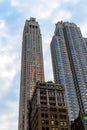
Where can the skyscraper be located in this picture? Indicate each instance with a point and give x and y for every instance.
(31, 68)
(69, 59)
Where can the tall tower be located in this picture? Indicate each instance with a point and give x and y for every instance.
(69, 59)
(32, 68)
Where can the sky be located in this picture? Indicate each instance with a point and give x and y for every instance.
(13, 14)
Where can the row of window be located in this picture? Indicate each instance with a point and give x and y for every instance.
(53, 109)
(51, 98)
(46, 122)
(51, 93)
(53, 116)
(53, 104)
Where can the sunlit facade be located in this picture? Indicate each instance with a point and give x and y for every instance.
(69, 59)
(32, 68)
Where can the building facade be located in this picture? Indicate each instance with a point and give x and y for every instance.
(32, 68)
(48, 107)
(69, 59)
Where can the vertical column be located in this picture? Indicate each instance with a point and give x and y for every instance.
(47, 97)
(56, 98)
(38, 96)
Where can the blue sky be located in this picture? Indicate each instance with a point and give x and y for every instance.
(13, 14)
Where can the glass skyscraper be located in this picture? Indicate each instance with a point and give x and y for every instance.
(69, 59)
(32, 69)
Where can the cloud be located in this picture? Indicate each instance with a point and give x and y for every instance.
(69, 1)
(62, 15)
(15, 3)
(9, 116)
(9, 57)
(2, 24)
(83, 27)
(40, 9)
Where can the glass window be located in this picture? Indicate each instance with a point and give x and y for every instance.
(52, 122)
(61, 123)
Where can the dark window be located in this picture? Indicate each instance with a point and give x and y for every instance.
(43, 97)
(52, 98)
(44, 115)
(53, 104)
(42, 92)
(43, 128)
(46, 122)
(53, 109)
(43, 103)
(56, 122)
(53, 116)
(47, 128)
(62, 128)
(65, 116)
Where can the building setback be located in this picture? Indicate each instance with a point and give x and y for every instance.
(32, 68)
(48, 107)
(69, 59)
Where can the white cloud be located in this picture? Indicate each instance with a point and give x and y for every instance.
(2, 24)
(83, 27)
(15, 2)
(45, 9)
(2, 27)
(70, 1)
(62, 15)
(40, 9)
(9, 57)
(9, 116)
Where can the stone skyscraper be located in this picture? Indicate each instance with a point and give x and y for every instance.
(32, 68)
(69, 59)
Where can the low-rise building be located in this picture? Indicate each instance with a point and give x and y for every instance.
(48, 107)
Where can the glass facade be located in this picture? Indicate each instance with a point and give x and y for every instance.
(69, 59)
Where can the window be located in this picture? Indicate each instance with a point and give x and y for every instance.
(53, 109)
(61, 123)
(52, 122)
(65, 123)
(53, 116)
(42, 92)
(44, 115)
(52, 98)
(59, 93)
(47, 128)
(51, 93)
(56, 122)
(43, 128)
(43, 103)
(43, 97)
(44, 108)
(62, 116)
(45, 122)
(52, 104)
